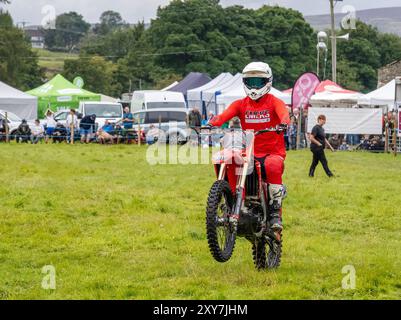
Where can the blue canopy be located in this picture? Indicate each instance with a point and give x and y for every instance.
(191, 81)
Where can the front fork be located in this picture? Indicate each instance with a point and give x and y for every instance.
(234, 218)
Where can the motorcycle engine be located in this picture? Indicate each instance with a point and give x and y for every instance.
(250, 221)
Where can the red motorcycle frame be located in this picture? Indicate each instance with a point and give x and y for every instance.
(243, 212)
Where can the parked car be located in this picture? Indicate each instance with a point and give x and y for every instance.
(60, 117)
(104, 111)
(13, 121)
(152, 99)
(165, 119)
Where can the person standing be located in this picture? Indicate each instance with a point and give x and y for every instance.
(71, 123)
(292, 133)
(50, 125)
(128, 119)
(318, 142)
(87, 127)
(194, 119)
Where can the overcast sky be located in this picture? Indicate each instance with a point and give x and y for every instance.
(134, 10)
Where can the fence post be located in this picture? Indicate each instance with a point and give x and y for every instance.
(72, 130)
(6, 124)
(386, 138)
(299, 129)
(139, 131)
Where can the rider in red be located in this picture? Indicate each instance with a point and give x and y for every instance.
(261, 110)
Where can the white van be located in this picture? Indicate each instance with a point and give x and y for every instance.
(173, 121)
(152, 99)
(111, 111)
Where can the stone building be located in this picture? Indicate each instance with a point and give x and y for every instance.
(389, 72)
(36, 35)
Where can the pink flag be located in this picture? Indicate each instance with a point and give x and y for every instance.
(304, 89)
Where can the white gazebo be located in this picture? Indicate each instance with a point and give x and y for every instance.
(384, 96)
(22, 104)
(330, 94)
(195, 96)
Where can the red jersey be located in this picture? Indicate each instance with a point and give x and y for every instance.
(267, 112)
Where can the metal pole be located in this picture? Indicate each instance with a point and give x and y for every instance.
(333, 43)
(318, 54)
(395, 115)
(6, 124)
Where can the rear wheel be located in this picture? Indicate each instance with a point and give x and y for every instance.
(274, 255)
(259, 253)
(220, 232)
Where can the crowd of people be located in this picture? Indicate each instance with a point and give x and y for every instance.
(76, 128)
(85, 130)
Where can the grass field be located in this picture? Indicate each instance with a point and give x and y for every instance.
(53, 62)
(115, 227)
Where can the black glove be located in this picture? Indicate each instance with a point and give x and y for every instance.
(281, 128)
(207, 126)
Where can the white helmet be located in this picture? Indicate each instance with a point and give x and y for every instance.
(258, 79)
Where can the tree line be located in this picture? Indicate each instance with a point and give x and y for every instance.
(202, 36)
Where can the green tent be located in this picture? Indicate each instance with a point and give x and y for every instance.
(59, 93)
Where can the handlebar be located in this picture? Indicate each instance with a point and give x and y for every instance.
(256, 133)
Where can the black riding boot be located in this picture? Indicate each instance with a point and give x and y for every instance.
(276, 196)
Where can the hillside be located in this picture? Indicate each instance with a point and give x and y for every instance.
(385, 19)
(53, 62)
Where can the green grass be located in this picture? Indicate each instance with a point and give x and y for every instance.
(115, 227)
(53, 62)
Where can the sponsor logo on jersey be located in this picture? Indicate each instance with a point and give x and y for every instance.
(257, 116)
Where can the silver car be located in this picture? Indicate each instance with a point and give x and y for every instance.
(13, 121)
(172, 121)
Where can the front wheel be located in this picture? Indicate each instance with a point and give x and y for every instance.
(220, 231)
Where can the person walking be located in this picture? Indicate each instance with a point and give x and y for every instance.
(318, 142)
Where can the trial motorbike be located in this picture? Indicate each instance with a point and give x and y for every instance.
(243, 212)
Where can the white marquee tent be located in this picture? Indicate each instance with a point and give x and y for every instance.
(209, 96)
(105, 98)
(195, 96)
(237, 92)
(23, 105)
(170, 86)
(384, 96)
(329, 93)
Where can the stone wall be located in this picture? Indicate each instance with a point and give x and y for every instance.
(389, 72)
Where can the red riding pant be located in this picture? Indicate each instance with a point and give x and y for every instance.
(273, 168)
